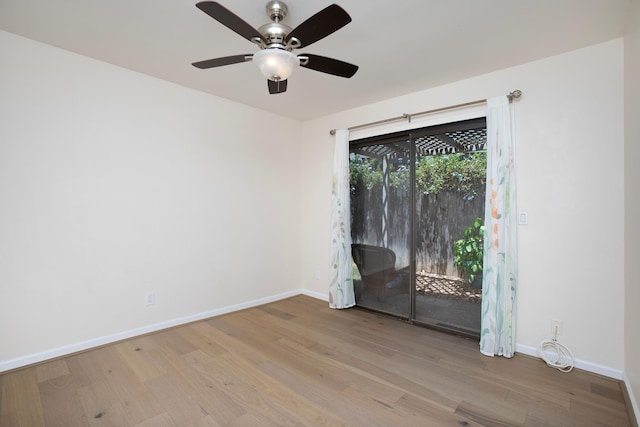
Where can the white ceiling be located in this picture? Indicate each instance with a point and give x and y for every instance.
(401, 47)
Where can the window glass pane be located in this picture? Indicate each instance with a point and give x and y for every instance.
(413, 195)
(380, 222)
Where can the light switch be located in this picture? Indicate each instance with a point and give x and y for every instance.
(523, 218)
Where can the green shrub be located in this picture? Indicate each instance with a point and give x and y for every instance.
(463, 173)
(468, 252)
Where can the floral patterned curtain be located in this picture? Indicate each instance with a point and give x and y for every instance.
(341, 293)
(497, 336)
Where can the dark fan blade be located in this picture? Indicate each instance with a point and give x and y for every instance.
(329, 65)
(277, 87)
(219, 62)
(229, 19)
(320, 25)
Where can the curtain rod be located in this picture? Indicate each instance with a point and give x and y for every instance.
(511, 96)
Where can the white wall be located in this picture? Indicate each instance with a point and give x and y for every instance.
(632, 200)
(569, 137)
(113, 183)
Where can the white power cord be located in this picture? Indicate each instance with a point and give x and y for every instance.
(555, 354)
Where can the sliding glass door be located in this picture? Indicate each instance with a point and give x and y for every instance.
(381, 222)
(413, 195)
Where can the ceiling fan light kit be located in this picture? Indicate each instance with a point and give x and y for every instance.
(276, 64)
(276, 41)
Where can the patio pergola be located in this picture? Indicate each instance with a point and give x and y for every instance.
(396, 150)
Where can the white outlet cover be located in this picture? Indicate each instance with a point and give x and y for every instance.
(149, 298)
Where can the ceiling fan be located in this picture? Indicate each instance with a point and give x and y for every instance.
(276, 41)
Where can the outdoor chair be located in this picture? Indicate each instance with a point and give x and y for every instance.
(377, 270)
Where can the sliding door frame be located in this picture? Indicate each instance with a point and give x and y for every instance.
(411, 136)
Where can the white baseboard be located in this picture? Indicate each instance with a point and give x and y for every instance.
(20, 362)
(606, 371)
(316, 295)
(632, 398)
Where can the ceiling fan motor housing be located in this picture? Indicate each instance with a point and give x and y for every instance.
(275, 34)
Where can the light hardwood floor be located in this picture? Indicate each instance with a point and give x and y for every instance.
(296, 362)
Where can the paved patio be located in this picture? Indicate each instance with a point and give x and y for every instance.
(446, 287)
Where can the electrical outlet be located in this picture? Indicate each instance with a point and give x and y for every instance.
(149, 298)
(556, 327)
(317, 275)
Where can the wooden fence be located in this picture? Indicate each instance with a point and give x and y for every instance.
(440, 220)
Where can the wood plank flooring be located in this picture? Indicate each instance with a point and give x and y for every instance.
(296, 362)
